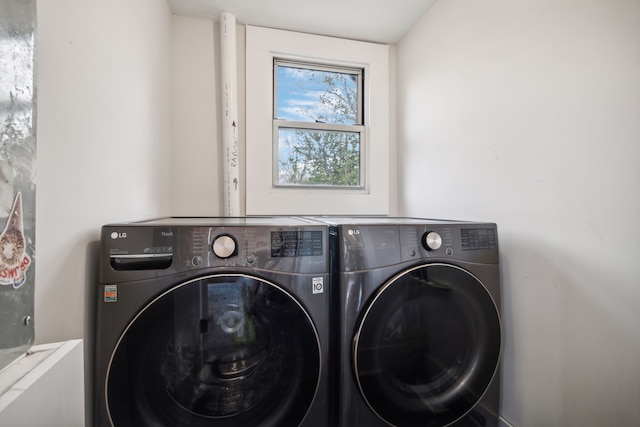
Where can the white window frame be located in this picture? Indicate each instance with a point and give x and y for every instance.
(263, 45)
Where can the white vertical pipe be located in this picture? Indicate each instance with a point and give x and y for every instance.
(230, 115)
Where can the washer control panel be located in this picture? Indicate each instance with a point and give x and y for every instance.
(171, 249)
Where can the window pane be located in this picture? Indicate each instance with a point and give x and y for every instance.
(316, 157)
(314, 95)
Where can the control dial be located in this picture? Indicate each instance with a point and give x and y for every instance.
(224, 246)
(431, 241)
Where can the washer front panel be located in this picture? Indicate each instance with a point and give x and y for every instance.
(427, 346)
(221, 350)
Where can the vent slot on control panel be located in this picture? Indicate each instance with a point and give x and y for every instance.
(141, 262)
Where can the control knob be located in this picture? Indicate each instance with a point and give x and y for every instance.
(431, 241)
(224, 246)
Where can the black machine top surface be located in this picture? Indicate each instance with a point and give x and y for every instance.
(378, 220)
(219, 221)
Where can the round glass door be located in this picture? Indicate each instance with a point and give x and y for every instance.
(427, 346)
(224, 350)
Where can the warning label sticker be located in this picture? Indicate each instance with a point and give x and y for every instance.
(110, 293)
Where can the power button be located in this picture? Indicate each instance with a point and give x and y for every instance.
(431, 241)
(224, 246)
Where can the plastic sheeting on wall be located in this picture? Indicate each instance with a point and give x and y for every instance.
(17, 176)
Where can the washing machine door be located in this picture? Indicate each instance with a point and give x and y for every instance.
(427, 346)
(223, 350)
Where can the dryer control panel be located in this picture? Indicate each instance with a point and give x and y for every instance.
(380, 245)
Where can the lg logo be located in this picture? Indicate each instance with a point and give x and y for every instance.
(352, 232)
(116, 235)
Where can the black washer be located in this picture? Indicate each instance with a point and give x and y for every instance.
(240, 340)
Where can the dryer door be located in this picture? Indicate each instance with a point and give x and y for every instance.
(427, 346)
(223, 350)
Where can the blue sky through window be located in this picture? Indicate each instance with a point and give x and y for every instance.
(310, 95)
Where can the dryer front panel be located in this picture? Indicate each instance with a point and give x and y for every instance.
(222, 350)
(427, 346)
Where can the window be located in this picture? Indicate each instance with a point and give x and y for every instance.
(307, 153)
(317, 125)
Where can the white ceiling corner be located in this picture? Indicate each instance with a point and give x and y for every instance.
(379, 21)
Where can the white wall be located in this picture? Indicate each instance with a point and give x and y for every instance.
(528, 114)
(196, 137)
(103, 142)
